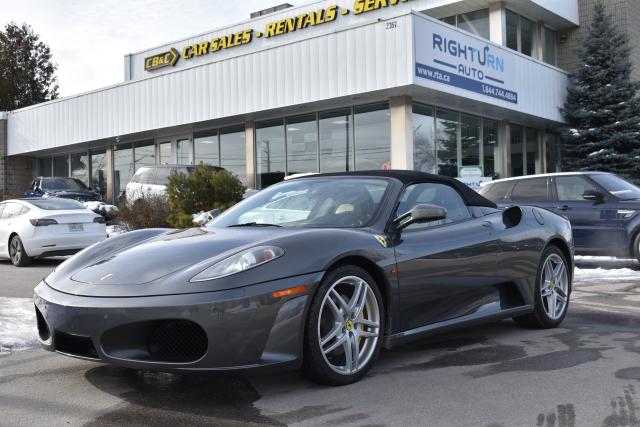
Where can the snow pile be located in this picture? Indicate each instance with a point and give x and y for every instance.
(18, 328)
(202, 218)
(101, 208)
(116, 229)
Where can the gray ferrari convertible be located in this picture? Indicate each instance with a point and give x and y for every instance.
(317, 273)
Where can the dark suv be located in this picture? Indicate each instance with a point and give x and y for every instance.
(602, 207)
(67, 188)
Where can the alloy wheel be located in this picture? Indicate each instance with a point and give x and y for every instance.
(15, 251)
(349, 325)
(554, 288)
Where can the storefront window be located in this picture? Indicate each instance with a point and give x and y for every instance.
(447, 142)
(145, 154)
(123, 167)
(80, 167)
(206, 148)
(302, 144)
(424, 148)
(527, 36)
(372, 137)
(44, 166)
(475, 22)
(233, 151)
(517, 153)
(336, 143)
(470, 140)
(270, 153)
(490, 146)
(553, 153)
(164, 153)
(183, 148)
(61, 166)
(549, 46)
(533, 151)
(512, 30)
(99, 172)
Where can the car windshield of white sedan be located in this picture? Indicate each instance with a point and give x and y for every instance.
(331, 203)
(62, 184)
(56, 204)
(617, 186)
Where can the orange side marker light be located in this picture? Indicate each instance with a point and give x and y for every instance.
(291, 291)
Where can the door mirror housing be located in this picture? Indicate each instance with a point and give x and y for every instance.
(593, 195)
(420, 214)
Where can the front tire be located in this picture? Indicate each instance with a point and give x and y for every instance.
(636, 247)
(344, 329)
(17, 254)
(551, 293)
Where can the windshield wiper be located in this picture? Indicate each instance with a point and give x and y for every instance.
(254, 224)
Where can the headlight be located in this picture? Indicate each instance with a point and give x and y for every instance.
(241, 261)
(625, 213)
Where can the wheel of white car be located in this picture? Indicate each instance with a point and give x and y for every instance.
(344, 330)
(17, 254)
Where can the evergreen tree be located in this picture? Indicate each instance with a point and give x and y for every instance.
(27, 74)
(602, 110)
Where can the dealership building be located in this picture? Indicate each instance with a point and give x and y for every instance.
(467, 88)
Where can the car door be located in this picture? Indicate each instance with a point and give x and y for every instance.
(533, 192)
(4, 232)
(594, 224)
(446, 268)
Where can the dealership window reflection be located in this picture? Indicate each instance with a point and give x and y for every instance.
(302, 144)
(99, 172)
(206, 147)
(476, 22)
(372, 137)
(447, 142)
(424, 148)
(470, 140)
(270, 153)
(233, 151)
(80, 167)
(336, 142)
(61, 166)
(123, 168)
(490, 147)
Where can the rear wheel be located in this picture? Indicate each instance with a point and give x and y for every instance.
(552, 291)
(18, 255)
(343, 334)
(636, 247)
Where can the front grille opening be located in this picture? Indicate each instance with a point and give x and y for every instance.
(75, 345)
(43, 328)
(170, 340)
(178, 341)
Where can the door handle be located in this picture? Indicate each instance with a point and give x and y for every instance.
(563, 208)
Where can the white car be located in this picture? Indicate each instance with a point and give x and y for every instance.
(35, 228)
(151, 181)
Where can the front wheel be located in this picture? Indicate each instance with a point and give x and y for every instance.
(636, 247)
(343, 334)
(18, 255)
(552, 291)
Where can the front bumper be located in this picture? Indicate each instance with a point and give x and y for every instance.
(242, 329)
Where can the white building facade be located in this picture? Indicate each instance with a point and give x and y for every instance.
(460, 88)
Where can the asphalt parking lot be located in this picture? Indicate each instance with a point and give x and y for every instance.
(585, 373)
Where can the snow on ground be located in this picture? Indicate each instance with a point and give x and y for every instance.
(599, 270)
(17, 324)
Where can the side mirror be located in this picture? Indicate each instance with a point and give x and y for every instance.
(419, 214)
(593, 195)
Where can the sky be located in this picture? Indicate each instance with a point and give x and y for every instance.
(89, 38)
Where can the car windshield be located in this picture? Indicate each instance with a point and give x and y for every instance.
(617, 186)
(54, 204)
(310, 203)
(62, 184)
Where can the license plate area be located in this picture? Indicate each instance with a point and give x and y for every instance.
(75, 228)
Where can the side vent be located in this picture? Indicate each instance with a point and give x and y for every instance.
(512, 216)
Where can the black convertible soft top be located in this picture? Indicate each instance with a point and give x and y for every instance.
(470, 197)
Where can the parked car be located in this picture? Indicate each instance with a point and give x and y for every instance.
(602, 207)
(42, 227)
(153, 180)
(379, 258)
(66, 188)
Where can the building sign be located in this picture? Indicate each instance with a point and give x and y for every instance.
(449, 57)
(271, 29)
(160, 60)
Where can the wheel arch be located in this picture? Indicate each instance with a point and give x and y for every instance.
(378, 275)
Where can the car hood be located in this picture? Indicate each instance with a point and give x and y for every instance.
(163, 255)
(162, 262)
(71, 194)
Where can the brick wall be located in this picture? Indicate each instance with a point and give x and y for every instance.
(626, 15)
(16, 173)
